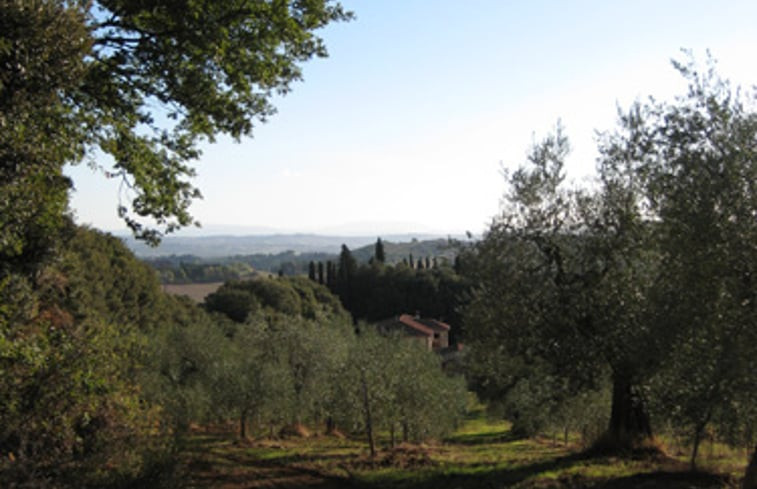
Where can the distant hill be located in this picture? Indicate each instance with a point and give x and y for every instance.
(395, 252)
(192, 268)
(220, 246)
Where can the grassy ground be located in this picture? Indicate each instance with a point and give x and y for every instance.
(481, 454)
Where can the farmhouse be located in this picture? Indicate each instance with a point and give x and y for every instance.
(433, 334)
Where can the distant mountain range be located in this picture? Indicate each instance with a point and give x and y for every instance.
(220, 246)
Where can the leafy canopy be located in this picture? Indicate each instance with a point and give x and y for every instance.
(647, 277)
(144, 82)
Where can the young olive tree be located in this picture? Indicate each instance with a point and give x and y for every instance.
(245, 382)
(311, 353)
(428, 402)
(365, 389)
(390, 382)
(182, 361)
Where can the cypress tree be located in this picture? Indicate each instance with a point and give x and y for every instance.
(379, 251)
(329, 275)
(345, 274)
(347, 266)
(320, 272)
(311, 270)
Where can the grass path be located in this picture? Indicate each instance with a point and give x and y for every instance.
(480, 455)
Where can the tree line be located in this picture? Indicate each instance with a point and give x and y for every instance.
(178, 269)
(374, 291)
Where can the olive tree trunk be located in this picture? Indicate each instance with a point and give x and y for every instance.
(750, 477)
(698, 433)
(629, 426)
(367, 414)
(243, 424)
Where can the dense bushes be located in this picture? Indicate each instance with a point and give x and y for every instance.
(71, 347)
(295, 296)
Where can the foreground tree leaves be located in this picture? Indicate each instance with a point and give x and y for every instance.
(142, 83)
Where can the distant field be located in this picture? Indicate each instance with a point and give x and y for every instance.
(197, 292)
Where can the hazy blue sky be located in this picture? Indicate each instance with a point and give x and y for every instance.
(407, 124)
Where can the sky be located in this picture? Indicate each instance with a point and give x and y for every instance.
(408, 124)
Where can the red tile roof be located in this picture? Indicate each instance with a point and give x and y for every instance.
(409, 320)
(434, 324)
(417, 326)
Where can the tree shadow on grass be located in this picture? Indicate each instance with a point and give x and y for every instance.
(242, 469)
(253, 475)
(482, 478)
(285, 460)
(543, 475)
(668, 480)
(238, 469)
(503, 436)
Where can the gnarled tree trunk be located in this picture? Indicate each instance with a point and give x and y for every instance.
(629, 420)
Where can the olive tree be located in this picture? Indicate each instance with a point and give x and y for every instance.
(563, 275)
(694, 162)
(390, 382)
(647, 276)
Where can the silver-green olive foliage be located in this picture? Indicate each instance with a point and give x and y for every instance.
(695, 164)
(650, 272)
(143, 83)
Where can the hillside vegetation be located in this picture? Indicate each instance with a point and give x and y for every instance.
(189, 268)
(110, 373)
(617, 318)
(214, 247)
